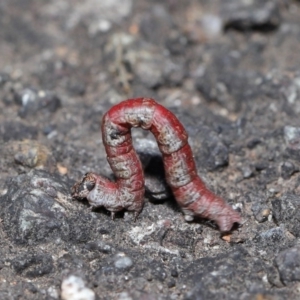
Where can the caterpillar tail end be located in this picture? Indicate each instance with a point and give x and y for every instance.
(228, 219)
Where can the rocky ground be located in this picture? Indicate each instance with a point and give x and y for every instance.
(228, 69)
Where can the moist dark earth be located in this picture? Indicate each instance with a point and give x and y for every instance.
(229, 70)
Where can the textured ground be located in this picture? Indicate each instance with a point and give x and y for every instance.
(230, 71)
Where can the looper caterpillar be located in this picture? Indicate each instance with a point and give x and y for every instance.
(127, 192)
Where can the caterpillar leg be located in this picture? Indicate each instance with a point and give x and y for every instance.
(112, 215)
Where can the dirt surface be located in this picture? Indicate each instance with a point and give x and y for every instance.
(230, 72)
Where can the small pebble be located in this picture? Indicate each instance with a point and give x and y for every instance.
(171, 283)
(73, 288)
(123, 263)
(287, 169)
(174, 273)
(288, 265)
(247, 171)
(292, 137)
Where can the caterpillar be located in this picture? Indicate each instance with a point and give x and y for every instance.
(127, 192)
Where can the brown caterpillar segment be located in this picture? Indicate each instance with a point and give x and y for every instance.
(140, 116)
(168, 131)
(127, 192)
(180, 167)
(217, 210)
(115, 135)
(125, 165)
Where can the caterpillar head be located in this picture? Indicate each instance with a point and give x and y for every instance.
(81, 189)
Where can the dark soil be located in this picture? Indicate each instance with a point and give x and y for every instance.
(229, 70)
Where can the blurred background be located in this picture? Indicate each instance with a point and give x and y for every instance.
(229, 70)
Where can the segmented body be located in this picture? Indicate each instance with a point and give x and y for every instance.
(127, 192)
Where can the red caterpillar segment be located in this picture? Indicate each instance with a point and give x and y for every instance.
(197, 201)
(128, 191)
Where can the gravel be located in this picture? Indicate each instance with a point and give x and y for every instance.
(229, 72)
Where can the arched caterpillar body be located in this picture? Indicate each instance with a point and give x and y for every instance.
(127, 192)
